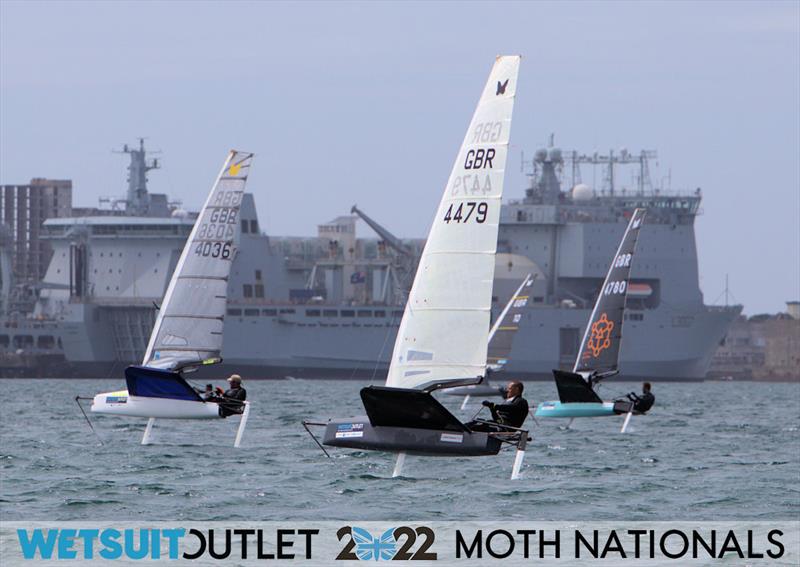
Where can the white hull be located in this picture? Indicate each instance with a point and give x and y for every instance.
(119, 403)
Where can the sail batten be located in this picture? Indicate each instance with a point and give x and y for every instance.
(444, 330)
(188, 329)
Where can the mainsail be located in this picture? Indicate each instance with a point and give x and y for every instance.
(188, 329)
(599, 351)
(501, 335)
(444, 331)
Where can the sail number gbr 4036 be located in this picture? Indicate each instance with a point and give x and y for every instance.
(463, 212)
(215, 235)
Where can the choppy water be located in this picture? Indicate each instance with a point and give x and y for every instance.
(712, 451)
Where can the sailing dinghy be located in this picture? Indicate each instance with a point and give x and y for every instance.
(442, 339)
(188, 329)
(598, 356)
(501, 339)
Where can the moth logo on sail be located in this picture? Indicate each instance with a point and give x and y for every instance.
(501, 87)
(346, 430)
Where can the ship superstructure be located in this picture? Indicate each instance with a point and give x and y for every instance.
(329, 306)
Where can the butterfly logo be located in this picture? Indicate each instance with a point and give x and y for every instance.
(501, 87)
(370, 548)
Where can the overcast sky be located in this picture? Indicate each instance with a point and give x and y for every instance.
(367, 103)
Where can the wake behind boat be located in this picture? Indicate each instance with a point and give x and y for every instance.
(598, 356)
(188, 330)
(443, 336)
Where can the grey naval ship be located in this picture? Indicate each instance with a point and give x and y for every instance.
(330, 305)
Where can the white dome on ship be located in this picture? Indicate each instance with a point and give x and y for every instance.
(582, 192)
(180, 214)
(540, 155)
(554, 154)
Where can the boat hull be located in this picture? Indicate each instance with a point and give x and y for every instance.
(553, 409)
(476, 390)
(358, 433)
(120, 403)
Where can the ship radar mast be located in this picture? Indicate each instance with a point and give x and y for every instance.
(137, 201)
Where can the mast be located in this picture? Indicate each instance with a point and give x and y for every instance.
(137, 200)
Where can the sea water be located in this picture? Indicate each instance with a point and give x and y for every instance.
(707, 451)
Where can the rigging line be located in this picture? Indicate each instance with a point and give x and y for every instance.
(86, 417)
(314, 437)
(403, 283)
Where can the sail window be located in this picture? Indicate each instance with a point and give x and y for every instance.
(247, 290)
(259, 289)
(244, 226)
(253, 226)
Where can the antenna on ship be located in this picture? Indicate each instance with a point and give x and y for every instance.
(137, 200)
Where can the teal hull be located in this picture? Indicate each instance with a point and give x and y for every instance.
(571, 410)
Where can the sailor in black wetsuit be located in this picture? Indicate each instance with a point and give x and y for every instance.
(643, 403)
(511, 412)
(232, 400)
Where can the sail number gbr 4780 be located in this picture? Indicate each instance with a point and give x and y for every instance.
(463, 212)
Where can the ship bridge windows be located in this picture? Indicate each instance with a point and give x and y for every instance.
(397, 314)
(348, 313)
(235, 312)
(251, 312)
(269, 312)
(330, 313)
(380, 313)
(5, 340)
(313, 313)
(45, 342)
(634, 316)
(364, 313)
(287, 311)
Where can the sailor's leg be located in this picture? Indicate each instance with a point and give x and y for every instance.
(625, 423)
(398, 464)
(242, 424)
(148, 430)
(465, 402)
(569, 424)
(518, 458)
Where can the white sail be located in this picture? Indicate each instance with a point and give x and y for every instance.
(188, 329)
(444, 331)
